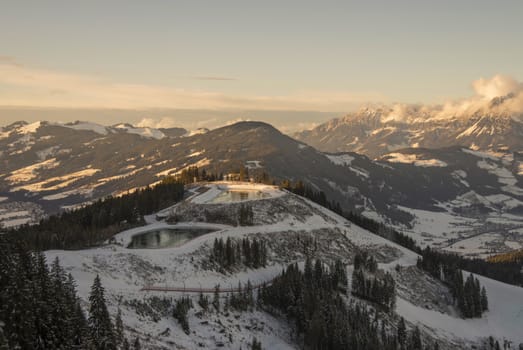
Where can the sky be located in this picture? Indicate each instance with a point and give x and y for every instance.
(206, 63)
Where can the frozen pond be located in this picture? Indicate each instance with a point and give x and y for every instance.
(239, 196)
(166, 238)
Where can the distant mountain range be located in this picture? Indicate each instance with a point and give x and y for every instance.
(443, 197)
(376, 132)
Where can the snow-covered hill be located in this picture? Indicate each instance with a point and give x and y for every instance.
(284, 221)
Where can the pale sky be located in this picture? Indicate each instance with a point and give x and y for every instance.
(196, 61)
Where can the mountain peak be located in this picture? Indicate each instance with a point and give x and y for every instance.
(375, 131)
(247, 125)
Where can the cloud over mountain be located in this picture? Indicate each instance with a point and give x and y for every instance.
(499, 94)
(165, 122)
(498, 85)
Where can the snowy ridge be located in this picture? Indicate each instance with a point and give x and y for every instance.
(341, 159)
(199, 131)
(29, 128)
(88, 126)
(125, 271)
(413, 159)
(143, 132)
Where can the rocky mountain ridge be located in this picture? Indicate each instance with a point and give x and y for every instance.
(378, 131)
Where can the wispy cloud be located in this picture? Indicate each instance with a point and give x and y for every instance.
(9, 60)
(214, 78)
(29, 86)
(165, 122)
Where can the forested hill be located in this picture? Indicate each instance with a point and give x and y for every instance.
(94, 223)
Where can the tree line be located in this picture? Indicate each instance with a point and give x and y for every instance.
(314, 301)
(92, 224)
(370, 283)
(468, 294)
(382, 230)
(245, 215)
(304, 190)
(230, 253)
(194, 174)
(515, 256)
(504, 271)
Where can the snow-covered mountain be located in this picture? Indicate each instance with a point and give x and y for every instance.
(377, 131)
(285, 223)
(454, 198)
(24, 128)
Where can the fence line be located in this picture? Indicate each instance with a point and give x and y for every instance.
(202, 290)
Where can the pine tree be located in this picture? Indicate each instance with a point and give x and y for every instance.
(308, 275)
(3, 339)
(203, 301)
(458, 292)
(318, 270)
(245, 215)
(340, 275)
(476, 292)
(76, 318)
(256, 345)
(415, 340)
(484, 299)
(249, 296)
(216, 298)
(227, 303)
(63, 312)
(136, 344)
(80, 327)
(100, 326)
(45, 306)
(180, 312)
(125, 344)
(402, 333)
(20, 318)
(118, 329)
